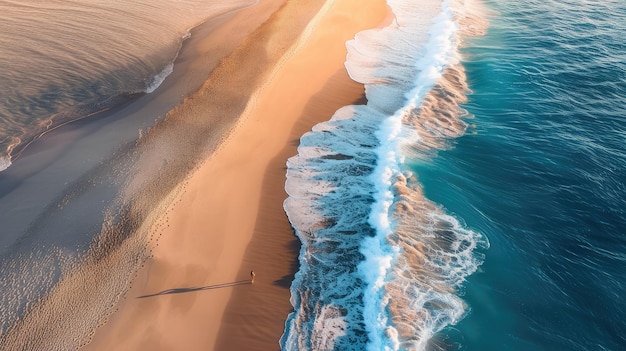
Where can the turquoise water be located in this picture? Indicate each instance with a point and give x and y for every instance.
(542, 173)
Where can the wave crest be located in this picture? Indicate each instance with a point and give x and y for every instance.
(5, 162)
(375, 251)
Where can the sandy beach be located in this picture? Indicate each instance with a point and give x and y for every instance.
(195, 292)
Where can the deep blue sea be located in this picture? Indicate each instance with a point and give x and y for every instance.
(542, 173)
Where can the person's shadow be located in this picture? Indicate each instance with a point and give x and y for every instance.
(186, 290)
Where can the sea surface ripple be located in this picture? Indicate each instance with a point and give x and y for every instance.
(543, 175)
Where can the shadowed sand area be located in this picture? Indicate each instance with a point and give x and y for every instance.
(228, 218)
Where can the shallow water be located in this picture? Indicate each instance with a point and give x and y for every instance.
(63, 60)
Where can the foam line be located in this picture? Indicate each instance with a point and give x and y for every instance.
(379, 263)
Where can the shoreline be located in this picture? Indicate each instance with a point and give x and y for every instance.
(114, 102)
(218, 239)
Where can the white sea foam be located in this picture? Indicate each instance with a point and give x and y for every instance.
(5, 163)
(384, 257)
(157, 80)
(439, 52)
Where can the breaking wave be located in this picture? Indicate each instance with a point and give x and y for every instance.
(380, 264)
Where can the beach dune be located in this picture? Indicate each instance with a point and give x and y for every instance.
(195, 293)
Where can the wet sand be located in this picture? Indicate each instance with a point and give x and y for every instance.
(194, 293)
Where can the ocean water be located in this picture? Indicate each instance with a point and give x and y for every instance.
(543, 175)
(478, 201)
(64, 60)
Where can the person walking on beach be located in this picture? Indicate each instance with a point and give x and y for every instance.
(252, 275)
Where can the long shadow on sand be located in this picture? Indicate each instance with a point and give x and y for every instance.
(186, 290)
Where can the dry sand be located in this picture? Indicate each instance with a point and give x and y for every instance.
(230, 219)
